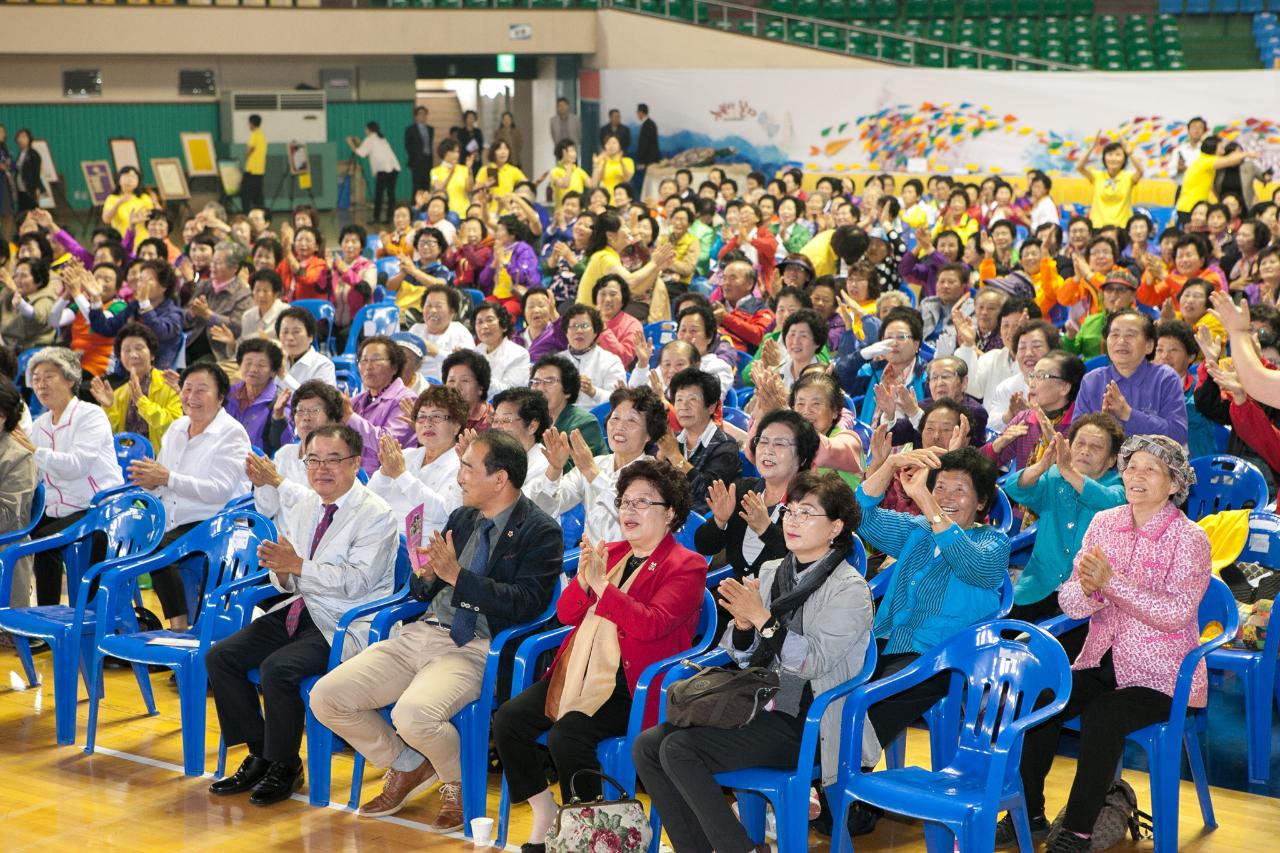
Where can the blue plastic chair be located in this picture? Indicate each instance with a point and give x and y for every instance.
(601, 413)
(372, 243)
(863, 431)
(1164, 742)
(995, 683)
(1096, 362)
(131, 446)
(388, 267)
(787, 789)
(1257, 669)
(223, 549)
(133, 524)
(472, 721)
(1222, 483)
(614, 753)
(572, 522)
(1001, 514)
(741, 396)
(737, 417)
(37, 512)
(347, 378)
(731, 398)
(689, 529)
(384, 316)
(658, 335)
(323, 311)
(476, 296)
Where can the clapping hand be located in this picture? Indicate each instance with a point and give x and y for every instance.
(586, 386)
(1114, 403)
(1017, 402)
(555, 446)
(1094, 570)
(1224, 373)
(966, 331)
(261, 471)
(583, 459)
(742, 600)
(222, 334)
(1234, 317)
(101, 391)
(755, 513)
(148, 473)
(199, 308)
(770, 357)
(593, 566)
(441, 559)
(881, 447)
(390, 456)
(280, 557)
(722, 500)
(643, 349)
(1011, 432)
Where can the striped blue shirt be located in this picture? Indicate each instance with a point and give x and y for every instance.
(942, 582)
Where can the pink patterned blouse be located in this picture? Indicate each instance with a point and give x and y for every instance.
(1146, 614)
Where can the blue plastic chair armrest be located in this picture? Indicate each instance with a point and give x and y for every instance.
(399, 612)
(1059, 625)
(1186, 672)
(715, 577)
(522, 674)
(682, 670)
(106, 494)
(359, 612)
(880, 583)
(656, 671)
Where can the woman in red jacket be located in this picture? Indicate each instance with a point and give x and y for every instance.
(756, 241)
(633, 602)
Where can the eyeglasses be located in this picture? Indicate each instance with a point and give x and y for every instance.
(308, 411)
(581, 327)
(506, 421)
(899, 337)
(636, 504)
(538, 383)
(370, 359)
(945, 375)
(1042, 376)
(1119, 335)
(437, 418)
(314, 462)
(802, 514)
(779, 443)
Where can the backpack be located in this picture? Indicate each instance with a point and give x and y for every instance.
(1120, 814)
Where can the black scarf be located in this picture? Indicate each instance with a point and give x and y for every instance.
(790, 591)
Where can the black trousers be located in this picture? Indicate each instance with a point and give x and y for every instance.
(384, 186)
(272, 729)
(677, 767)
(1107, 714)
(1047, 608)
(891, 716)
(167, 582)
(48, 566)
(421, 176)
(27, 201)
(251, 192)
(572, 741)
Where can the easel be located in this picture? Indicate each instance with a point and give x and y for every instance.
(290, 178)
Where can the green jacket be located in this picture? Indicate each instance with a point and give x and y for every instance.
(575, 418)
(1088, 341)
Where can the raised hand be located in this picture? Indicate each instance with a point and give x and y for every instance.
(966, 330)
(881, 447)
(390, 457)
(261, 471)
(1168, 313)
(1234, 317)
(642, 347)
(1010, 434)
(722, 500)
(742, 600)
(102, 392)
(1114, 402)
(466, 436)
(555, 446)
(583, 459)
(755, 513)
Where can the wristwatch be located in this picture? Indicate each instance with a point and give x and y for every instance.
(937, 519)
(770, 628)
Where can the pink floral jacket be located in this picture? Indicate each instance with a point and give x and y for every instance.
(1146, 614)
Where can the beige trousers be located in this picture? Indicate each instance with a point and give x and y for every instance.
(427, 677)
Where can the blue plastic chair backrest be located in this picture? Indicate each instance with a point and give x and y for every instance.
(388, 267)
(37, 511)
(601, 413)
(323, 311)
(1001, 514)
(857, 556)
(571, 523)
(1096, 362)
(686, 533)
(863, 431)
(372, 244)
(1263, 543)
(996, 681)
(1224, 482)
(131, 446)
(403, 566)
(219, 551)
(476, 296)
(133, 522)
(660, 334)
(385, 318)
(737, 417)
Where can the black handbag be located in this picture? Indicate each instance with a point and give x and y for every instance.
(720, 697)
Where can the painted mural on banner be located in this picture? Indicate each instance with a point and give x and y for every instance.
(956, 121)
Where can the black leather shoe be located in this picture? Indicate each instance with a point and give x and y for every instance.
(862, 819)
(251, 771)
(279, 784)
(1007, 837)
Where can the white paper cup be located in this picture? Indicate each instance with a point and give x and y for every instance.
(482, 831)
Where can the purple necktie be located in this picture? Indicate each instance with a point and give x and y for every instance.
(295, 610)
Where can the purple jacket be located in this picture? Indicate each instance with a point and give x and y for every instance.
(551, 341)
(523, 268)
(371, 416)
(1154, 392)
(75, 249)
(922, 271)
(254, 417)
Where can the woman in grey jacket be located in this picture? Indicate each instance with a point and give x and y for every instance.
(808, 618)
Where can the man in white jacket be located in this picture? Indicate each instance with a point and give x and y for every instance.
(336, 550)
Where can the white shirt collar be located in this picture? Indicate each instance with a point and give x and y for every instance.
(703, 440)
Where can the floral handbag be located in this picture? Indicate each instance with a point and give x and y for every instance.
(616, 826)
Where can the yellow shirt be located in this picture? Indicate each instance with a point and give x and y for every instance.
(615, 172)
(819, 251)
(683, 247)
(577, 182)
(456, 189)
(502, 287)
(255, 163)
(507, 177)
(599, 265)
(1197, 183)
(1112, 198)
(159, 409)
(124, 212)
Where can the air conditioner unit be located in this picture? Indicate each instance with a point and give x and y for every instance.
(286, 116)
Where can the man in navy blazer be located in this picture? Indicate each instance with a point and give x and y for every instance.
(495, 565)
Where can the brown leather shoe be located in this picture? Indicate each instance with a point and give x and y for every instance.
(449, 818)
(398, 787)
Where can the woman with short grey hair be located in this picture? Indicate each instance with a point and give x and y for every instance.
(75, 456)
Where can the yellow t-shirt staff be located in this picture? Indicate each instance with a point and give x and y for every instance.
(453, 177)
(117, 210)
(1113, 185)
(1197, 181)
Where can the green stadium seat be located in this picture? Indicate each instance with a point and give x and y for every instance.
(933, 58)
(1054, 54)
(1107, 23)
(968, 25)
(858, 43)
(1027, 66)
(995, 63)
(747, 27)
(801, 32)
(1000, 8)
(785, 7)
(912, 27)
(1030, 8)
(885, 8)
(834, 10)
(808, 8)
(1081, 7)
(1055, 8)
(830, 37)
(859, 10)
(651, 6)
(906, 52)
(974, 8)
(888, 25)
(964, 59)
(1023, 44)
(775, 30)
(504, 4)
(1142, 65)
(1113, 65)
(917, 8)
(1175, 65)
(943, 9)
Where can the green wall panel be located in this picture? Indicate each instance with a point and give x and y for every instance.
(349, 118)
(77, 132)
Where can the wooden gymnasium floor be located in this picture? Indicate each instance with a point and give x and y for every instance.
(132, 795)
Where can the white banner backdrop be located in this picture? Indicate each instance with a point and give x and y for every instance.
(959, 121)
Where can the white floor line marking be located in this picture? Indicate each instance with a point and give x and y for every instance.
(398, 821)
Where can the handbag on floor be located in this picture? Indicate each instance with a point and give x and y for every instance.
(1120, 815)
(584, 827)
